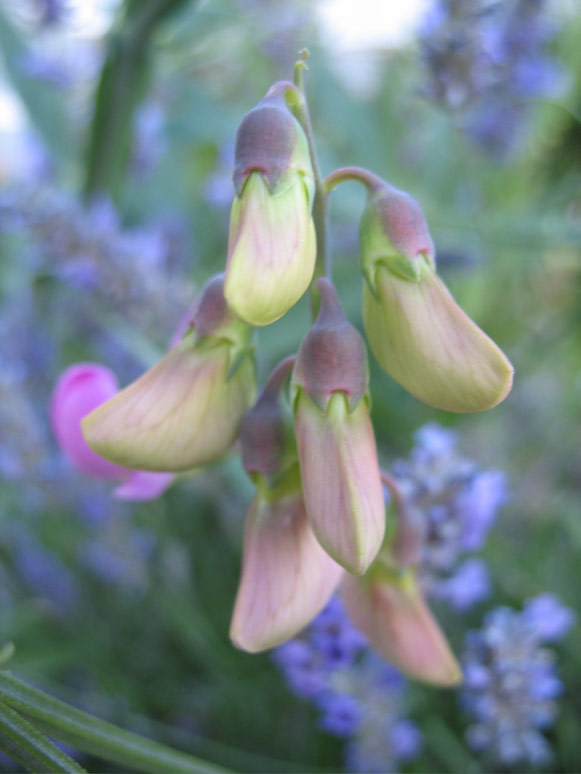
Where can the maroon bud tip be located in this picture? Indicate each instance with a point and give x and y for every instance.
(264, 429)
(212, 310)
(265, 140)
(332, 357)
(404, 222)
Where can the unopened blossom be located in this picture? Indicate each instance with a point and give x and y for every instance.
(335, 439)
(416, 330)
(185, 411)
(272, 243)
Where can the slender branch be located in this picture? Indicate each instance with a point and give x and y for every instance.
(369, 179)
(300, 106)
(96, 736)
(408, 542)
(121, 87)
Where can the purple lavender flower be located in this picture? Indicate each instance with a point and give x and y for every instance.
(484, 60)
(43, 572)
(358, 695)
(511, 682)
(548, 617)
(458, 504)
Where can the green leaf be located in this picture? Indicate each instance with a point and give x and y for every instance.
(25, 744)
(96, 736)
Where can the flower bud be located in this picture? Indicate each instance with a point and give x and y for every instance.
(287, 578)
(79, 390)
(336, 445)
(389, 608)
(272, 242)
(267, 439)
(416, 330)
(186, 410)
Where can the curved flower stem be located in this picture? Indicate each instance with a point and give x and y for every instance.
(370, 180)
(408, 542)
(96, 736)
(298, 101)
(395, 491)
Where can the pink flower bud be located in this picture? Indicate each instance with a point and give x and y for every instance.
(79, 390)
(390, 610)
(185, 411)
(287, 578)
(336, 445)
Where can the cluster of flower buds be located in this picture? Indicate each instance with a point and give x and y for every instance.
(317, 520)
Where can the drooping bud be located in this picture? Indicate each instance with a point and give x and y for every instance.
(287, 578)
(336, 444)
(266, 433)
(416, 330)
(388, 607)
(185, 411)
(272, 242)
(79, 390)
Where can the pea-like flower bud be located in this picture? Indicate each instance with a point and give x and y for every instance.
(186, 410)
(272, 242)
(416, 330)
(388, 607)
(336, 443)
(287, 578)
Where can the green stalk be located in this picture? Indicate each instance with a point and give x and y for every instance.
(24, 743)
(301, 109)
(96, 736)
(369, 179)
(121, 87)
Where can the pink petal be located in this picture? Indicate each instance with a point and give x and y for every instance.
(394, 617)
(79, 390)
(287, 578)
(143, 485)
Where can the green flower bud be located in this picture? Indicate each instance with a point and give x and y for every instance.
(415, 329)
(272, 242)
(335, 439)
(186, 410)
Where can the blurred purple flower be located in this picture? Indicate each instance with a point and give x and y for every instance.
(548, 617)
(359, 696)
(511, 682)
(457, 504)
(484, 60)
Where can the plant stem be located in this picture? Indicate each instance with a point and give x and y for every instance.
(96, 736)
(301, 108)
(370, 180)
(122, 85)
(24, 743)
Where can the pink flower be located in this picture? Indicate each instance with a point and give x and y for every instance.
(79, 390)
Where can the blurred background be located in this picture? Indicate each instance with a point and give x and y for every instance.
(117, 127)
